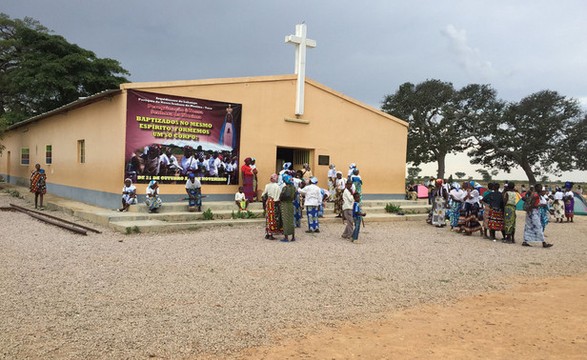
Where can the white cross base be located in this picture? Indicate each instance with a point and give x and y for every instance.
(301, 42)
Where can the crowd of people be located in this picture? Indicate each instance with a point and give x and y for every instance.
(158, 160)
(284, 198)
(291, 192)
(467, 211)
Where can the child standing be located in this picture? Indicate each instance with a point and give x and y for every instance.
(357, 216)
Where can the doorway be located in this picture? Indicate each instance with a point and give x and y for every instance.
(296, 156)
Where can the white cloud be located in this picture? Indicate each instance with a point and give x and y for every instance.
(467, 56)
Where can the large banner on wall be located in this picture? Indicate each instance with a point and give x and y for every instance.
(169, 137)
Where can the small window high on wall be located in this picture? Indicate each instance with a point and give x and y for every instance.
(49, 154)
(25, 156)
(81, 151)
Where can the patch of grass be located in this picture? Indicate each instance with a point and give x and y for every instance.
(130, 230)
(243, 215)
(208, 214)
(14, 193)
(392, 208)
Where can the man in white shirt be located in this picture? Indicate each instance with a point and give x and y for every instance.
(347, 210)
(213, 164)
(313, 199)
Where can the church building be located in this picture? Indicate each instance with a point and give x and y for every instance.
(150, 131)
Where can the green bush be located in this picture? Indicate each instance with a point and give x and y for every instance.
(243, 215)
(208, 214)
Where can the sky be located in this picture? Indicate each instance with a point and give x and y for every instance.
(365, 49)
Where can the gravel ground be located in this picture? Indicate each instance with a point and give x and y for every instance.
(217, 291)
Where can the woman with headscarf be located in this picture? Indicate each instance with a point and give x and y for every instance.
(509, 213)
(357, 182)
(456, 196)
(439, 205)
(38, 185)
(569, 199)
(331, 181)
(493, 213)
(352, 168)
(272, 208)
(193, 188)
(533, 228)
(248, 174)
(313, 195)
(471, 224)
(298, 183)
(129, 195)
(559, 205)
(285, 170)
(153, 200)
(543, 209)
(287, 210)
(339, 185)
(255, 181)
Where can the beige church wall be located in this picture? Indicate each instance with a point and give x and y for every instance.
(100, 124)
(332, 125)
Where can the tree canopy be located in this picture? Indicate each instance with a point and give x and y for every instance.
(40, 71)
(440, 117)
(543, 133)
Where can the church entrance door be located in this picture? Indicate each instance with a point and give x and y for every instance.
(296, 156)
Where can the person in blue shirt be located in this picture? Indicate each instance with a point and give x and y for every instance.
(357, 216)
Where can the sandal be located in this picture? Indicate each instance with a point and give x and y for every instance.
(546, 245)
(525, 244)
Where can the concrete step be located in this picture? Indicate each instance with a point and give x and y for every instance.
(216, 206)
(153, 225)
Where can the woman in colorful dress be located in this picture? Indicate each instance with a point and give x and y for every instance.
(439, 205)
(298, 200)
(272, 209)
(543, 208)
(533, 228)
(569, 198)
(153, 200)
(339, 186)
(331, 182)
(509, 213)
(494, 209)
(471, 221)
(357, 182)
(248, 174)
(38, 185)
(456, 198)
(287, 210)
(559, 205)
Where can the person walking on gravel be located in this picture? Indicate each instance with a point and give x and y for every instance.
(347, 210)
(533, 229)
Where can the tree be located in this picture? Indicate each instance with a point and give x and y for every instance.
(484, 174)
(540, 134)
(40, 71)
(439, 117)
(413, 172)
(460, 175)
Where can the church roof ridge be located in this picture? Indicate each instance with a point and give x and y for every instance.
(179, 83)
